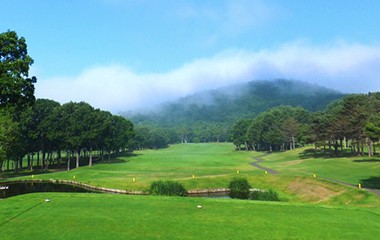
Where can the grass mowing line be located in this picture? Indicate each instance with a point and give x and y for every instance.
(21, 213)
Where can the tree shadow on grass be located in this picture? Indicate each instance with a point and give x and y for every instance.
(112, 161)
(372, 182)
(366, 160)
(22, 173)
(311, 153)
(118, 158)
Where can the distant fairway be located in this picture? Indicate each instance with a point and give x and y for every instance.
(178, 162)
(108, 216)
(311, 208)
(213, 165)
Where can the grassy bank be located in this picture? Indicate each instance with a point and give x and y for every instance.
(307, 161)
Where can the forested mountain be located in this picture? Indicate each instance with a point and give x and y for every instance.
(229, 104)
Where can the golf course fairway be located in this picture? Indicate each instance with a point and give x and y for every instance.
(108, 216)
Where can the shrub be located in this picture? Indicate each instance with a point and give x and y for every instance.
(269, 195)
(239, 188)
(167, 188)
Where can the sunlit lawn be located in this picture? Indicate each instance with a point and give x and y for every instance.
(334, 211)
(213, 165)
(108, 216)
(301, 162)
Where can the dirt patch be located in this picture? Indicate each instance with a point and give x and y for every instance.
(312, 191)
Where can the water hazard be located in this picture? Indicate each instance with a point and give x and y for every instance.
(18, 188)
(10, 189)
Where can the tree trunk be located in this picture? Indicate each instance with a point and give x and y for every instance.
(31, 162)
(68, 164)
(77, 158)
(90, 160)
(43, 157)
(20, 163)
(38, 159)
(28, 157)
(293, 142)
(374, 149)
(59, 158)
(47, 162)
(369, 146)
(16, 166)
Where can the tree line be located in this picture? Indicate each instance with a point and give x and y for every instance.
(350, 123)
(155, 136)
(45, 130)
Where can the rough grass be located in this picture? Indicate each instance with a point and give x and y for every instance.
(107, 216)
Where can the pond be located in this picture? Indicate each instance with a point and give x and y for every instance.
(18, 188)
(10, 189)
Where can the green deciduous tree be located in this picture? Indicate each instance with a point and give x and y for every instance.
(16, 88)
(278, 128)
(11, 147)
(238, 133)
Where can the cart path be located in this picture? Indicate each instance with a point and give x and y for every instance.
(260, 160)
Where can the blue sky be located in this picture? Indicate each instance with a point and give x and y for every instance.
(125, 54)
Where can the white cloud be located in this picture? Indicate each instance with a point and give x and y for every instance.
(345, 67)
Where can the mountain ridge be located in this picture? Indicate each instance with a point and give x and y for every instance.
(239, 101)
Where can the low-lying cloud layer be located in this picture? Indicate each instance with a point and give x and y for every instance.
(341, 66)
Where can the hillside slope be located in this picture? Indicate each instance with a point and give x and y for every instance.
(247, 100)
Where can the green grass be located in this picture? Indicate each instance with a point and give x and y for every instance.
(107, 216)
(304, 162)
(178, 162)
(214, 165)
(310, 208)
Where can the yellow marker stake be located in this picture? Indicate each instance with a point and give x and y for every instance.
(266, 172)
(74, 177)
(314, 175)
(133, 179)
(237, 172)
(193, 176)
(359, 185)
